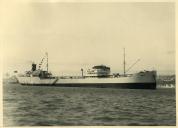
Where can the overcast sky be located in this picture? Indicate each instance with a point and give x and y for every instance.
(81, 35)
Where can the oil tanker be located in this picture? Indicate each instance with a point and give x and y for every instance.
(97, 76)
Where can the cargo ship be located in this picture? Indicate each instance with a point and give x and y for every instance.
(97, 76)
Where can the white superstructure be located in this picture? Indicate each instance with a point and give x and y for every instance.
(99, 71)
(37, 76)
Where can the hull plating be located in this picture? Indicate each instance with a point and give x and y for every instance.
(137, 81)
(36, 81)
(108, 85)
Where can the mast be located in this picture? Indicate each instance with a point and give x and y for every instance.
(124, 61)
(47, 61)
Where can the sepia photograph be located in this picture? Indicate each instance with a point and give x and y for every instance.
(88, 63)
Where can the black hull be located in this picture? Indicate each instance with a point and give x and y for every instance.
(104, 85)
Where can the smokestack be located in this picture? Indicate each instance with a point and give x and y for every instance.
(33, 67)
(82, 71)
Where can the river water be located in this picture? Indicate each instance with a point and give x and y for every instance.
(64, 106)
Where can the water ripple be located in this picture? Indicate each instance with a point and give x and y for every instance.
(50, 106)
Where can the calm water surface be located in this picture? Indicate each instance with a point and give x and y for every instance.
(58, 106)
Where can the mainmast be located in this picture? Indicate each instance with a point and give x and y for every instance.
(124, 61)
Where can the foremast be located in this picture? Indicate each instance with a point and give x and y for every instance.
(42, 62)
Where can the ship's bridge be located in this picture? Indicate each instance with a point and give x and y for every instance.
(99, 70)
